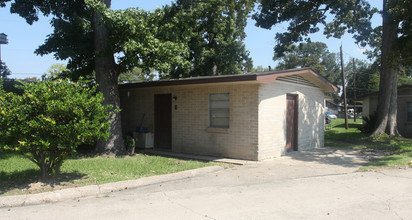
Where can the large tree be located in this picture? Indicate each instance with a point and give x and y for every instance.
(214, 31)
(351, 16)
(102, 43)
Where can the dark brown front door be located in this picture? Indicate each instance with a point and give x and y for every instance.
(291, 122)
(163, 121)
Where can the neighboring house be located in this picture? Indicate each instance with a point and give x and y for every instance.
(247, 116)
(331, 107)
(404, 115)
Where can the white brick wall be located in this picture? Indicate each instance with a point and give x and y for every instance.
(272, 117)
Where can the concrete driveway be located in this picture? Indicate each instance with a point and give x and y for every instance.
(311, 185)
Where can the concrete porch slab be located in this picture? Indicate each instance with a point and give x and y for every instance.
(198, 157)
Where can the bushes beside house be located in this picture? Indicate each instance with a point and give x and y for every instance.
(369, 124)
(50, 119)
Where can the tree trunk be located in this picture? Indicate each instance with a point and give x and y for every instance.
(107, 78)
(387, 98)
(45, 172)
(214, 69)
(391, 127)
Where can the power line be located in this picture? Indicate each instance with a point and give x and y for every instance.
(27, 73)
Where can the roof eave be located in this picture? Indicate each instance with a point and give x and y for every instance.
(309, 73)
(265, 77)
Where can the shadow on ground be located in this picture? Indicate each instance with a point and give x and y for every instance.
(351, 125)
(25, 180)
(348, 158)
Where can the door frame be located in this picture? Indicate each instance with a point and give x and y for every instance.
(158, 110)
(292, 142)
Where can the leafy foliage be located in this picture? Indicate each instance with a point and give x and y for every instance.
(136, 36)
(31, 79)
(101, 43)
(352, 16)
(135, 75)
(140, 40)
(214, 32)
(369, 124)
(261, 69)
(314, 55)
(391, 41)
(367, 78)
(56, 71)
(50, 119)
(129, 142)
(4, 70)
(10, 85)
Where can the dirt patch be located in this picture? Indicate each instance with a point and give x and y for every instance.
(39, 187)
(372, 155)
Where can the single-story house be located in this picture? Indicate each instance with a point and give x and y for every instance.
(250, 116)
(404, 115)
(331, 106)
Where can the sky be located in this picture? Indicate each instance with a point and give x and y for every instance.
(24, 39)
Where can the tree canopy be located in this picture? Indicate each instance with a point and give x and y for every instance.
(185, 39)
(135, 75)
(4, 70)
(136, 37)
(56, 71)
(314, 55)
(304, 17)
(393, 38)
(102, 43)
(214, 32)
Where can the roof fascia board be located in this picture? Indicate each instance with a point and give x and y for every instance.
(256, 77)
(329, 87)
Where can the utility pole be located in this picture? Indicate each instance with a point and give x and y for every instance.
(354, 91)
(344, 89)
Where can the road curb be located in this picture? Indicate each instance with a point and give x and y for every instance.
(97, 190)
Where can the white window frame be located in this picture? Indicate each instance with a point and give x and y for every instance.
(219, 107)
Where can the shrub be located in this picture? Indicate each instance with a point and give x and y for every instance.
(129, 142)
(50, 119)
(369, 124)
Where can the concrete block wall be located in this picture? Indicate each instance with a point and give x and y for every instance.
(190, 119)
(272, 117)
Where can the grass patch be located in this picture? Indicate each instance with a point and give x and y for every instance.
(338, 136)
(389, 152)
(19, 175)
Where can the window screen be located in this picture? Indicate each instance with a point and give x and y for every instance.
(219, 110)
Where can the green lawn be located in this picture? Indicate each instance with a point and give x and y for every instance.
(398, 150)
(17, 173)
